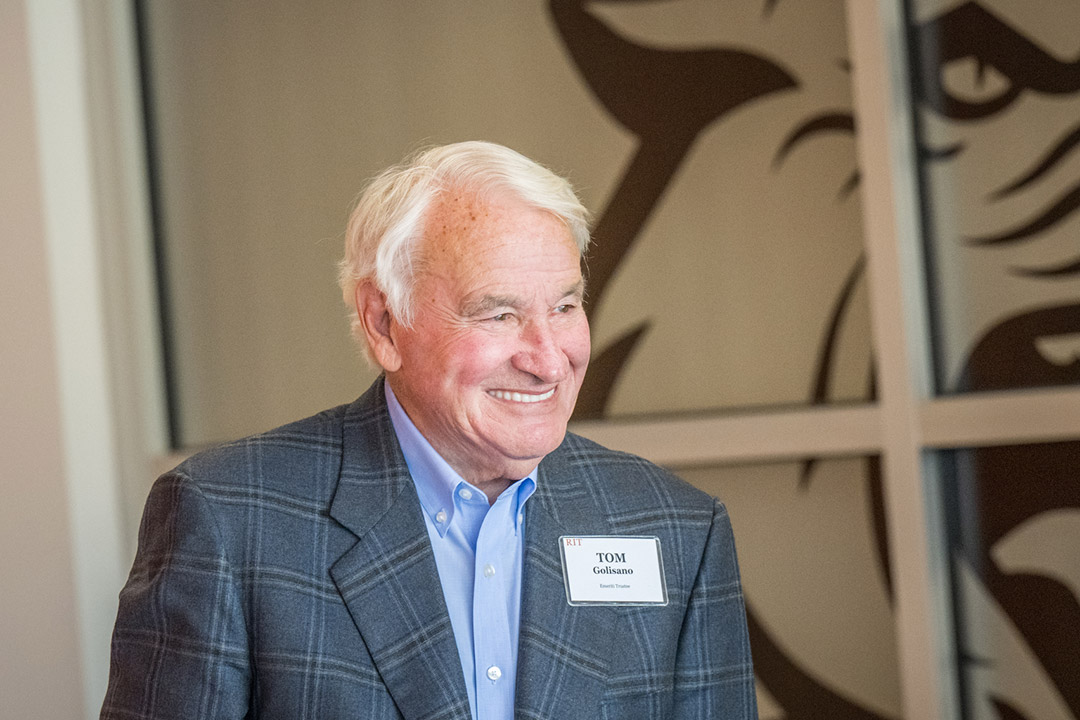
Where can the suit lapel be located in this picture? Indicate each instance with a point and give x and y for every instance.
(388, 579)
(563, 652)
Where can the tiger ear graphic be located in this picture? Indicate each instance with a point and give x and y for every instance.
(666, 98)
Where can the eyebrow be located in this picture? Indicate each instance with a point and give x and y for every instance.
(487, 303)
(576, 290)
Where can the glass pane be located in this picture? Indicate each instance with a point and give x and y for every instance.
(714, 141)
(1015, 527)
(813, 558)
(998, 90)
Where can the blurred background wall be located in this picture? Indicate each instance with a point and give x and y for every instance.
(40, 665)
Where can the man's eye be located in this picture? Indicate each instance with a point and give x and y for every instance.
(565, 308)
(501, 317)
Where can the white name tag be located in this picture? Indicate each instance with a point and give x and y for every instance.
(613, 570)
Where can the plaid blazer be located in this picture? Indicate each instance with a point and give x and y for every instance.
(289, 575)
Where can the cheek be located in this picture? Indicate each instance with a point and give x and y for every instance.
(577, 345)
(476, 358)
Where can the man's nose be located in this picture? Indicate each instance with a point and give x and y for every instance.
(541, 354)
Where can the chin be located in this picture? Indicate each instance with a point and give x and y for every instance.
(548, 445)
(534, 448)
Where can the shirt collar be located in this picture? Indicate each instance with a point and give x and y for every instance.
(436, 482)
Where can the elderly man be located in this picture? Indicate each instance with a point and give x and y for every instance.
(441, 547)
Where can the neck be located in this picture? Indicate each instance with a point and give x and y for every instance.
(494, 488)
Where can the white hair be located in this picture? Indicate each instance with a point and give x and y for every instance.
(387, 223)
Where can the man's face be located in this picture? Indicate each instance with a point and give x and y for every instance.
(491, 368)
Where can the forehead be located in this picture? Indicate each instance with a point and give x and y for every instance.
(467, 229)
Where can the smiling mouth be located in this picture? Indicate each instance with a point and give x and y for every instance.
(521, 397)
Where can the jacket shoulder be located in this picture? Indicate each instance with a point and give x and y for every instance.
(284, 454)
(633, 480)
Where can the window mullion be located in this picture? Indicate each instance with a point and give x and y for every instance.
(732, 438)
(917, 540)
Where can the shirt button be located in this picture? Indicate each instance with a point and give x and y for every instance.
(494, 673)
(489, 570)
(440, 517)
(465, 493)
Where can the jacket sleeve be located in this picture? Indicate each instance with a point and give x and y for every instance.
(714, 675)
(179, 647)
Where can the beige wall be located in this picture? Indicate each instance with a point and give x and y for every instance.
(39, 661)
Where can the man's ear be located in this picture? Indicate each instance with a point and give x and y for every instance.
(375, 318)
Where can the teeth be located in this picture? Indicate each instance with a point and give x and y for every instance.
(518, 397)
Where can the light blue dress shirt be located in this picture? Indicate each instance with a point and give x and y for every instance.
(478, 550)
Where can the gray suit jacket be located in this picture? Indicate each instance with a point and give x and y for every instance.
(289, 575)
